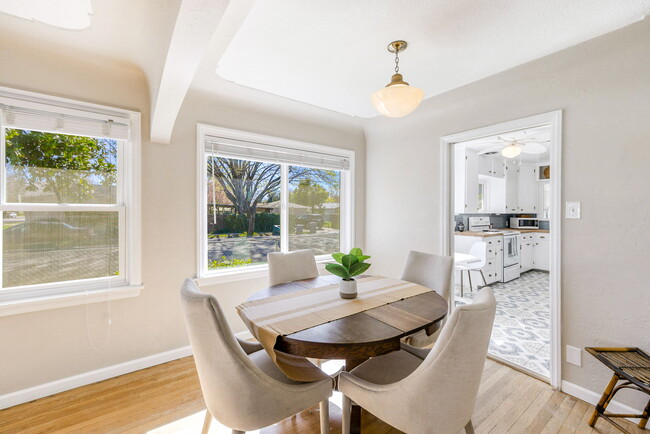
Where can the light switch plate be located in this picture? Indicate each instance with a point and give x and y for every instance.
(572, 210)
(573, 355)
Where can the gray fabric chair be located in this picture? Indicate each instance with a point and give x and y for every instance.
(242, 387)
(431, 271)
(287, 267)
(431, 395)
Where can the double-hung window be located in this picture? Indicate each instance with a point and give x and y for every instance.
(261, 194)
(68, 198)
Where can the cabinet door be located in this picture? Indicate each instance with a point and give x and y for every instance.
(526, 250)
(490, 165)
(512, 186)
(527, 191)
(542, 252)
(471, 181)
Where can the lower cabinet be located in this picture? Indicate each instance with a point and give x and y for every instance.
(526, 252)
(542, 252)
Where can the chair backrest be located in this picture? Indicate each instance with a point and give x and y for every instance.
(444, 387)
(234, 388)
(479, 249)
(287, 267)
(432, 271)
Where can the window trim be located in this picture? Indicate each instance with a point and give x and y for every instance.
(29, 298)
(347, 200)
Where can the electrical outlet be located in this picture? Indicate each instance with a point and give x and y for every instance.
(574, 355)
(572, 210)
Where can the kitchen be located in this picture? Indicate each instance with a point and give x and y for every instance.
(501, 217)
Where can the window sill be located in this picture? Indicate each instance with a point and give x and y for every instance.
(76, 298)
(236, 275)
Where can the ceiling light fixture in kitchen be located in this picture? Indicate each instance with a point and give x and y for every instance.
(512, 150)
(397, 99)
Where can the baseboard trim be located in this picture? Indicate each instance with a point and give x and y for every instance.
(593, 398)
(47, 389)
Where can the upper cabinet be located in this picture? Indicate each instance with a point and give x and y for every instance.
(527, 189)
(466, 198)
(491, 165)
(512, 186)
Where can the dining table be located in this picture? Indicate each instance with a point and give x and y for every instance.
(354, 337)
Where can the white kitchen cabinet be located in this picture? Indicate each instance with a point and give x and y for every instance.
(496, 194)
(490, 165)
(542, 252)
(526, 251)
(527, 189)
(466, 181)
(512, 186)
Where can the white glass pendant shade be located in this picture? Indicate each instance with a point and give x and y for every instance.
(397, 100)
(511, 151)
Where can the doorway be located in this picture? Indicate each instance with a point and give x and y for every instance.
(500, 193)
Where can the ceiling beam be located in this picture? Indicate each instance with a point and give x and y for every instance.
(196, 23)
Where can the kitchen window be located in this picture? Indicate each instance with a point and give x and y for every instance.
(68, 198)
(261, 194)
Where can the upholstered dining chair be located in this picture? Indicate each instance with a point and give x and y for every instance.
(431, 271)
(242, 387)
(287, 267)
(434, 394)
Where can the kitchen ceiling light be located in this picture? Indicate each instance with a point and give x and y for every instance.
(397, 99)
(511, 151)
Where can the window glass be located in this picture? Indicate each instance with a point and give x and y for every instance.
(59, 168)
(243, 210)
(481, 197)
(314, 210)
(52, 246)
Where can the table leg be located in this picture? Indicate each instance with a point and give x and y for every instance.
(355, 416)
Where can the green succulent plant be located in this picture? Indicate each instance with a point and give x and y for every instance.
(349, 265)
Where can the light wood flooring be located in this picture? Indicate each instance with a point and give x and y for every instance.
(167, 399)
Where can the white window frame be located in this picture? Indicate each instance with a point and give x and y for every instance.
(347, 200)
(128, 283)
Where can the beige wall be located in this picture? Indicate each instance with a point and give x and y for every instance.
(41, 347)
(603, 86)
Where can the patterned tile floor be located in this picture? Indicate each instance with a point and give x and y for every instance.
(521, 333)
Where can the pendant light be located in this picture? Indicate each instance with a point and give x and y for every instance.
(512, 150)
(397, 99)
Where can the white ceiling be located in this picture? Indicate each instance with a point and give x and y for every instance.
(541, 135)
(332, 54)
(318, 59)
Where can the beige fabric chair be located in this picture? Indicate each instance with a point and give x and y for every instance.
(432, 271)
(287, 267)
(242, 387)
(431, 395)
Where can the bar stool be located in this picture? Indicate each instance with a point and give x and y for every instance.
(478, 249)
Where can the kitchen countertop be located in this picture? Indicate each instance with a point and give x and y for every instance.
(492, 234)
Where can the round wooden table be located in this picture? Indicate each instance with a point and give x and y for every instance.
(358, 337)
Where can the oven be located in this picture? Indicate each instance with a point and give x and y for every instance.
(524, 223)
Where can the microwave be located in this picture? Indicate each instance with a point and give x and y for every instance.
(524, 223)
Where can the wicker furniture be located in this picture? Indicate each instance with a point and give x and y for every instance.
(632, 366)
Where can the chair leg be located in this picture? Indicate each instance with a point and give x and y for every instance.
(324, 407)
(206, 422)
(461, 283)
(469, 277)
(345, 415)
(469, 428)
(483, 276)
(604, 400)
(238, 432)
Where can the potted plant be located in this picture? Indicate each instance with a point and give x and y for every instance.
(348, 266)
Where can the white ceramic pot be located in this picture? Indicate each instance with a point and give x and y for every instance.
(348, 288)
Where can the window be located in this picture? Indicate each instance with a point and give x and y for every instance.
(262, 194)
(482, 202)
(67, 196)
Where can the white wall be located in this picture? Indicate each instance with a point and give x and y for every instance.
(603, 86)
(41, 347)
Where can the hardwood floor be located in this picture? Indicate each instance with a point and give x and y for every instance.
(167, 399)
